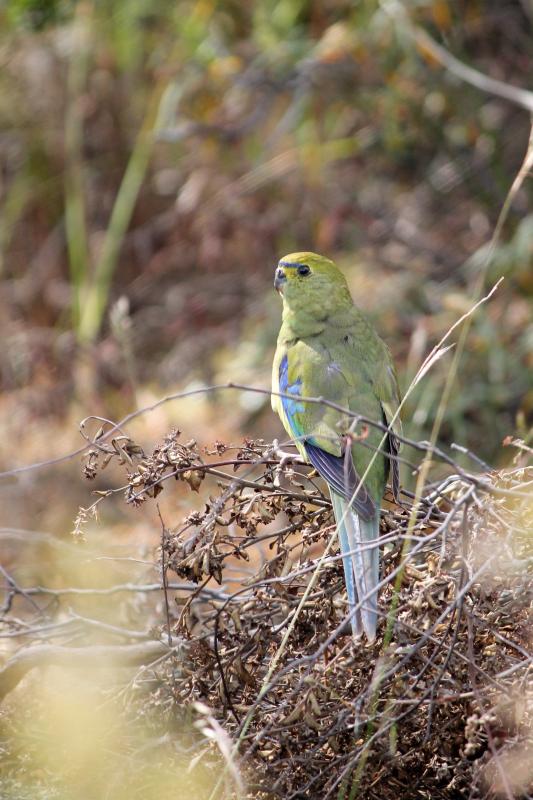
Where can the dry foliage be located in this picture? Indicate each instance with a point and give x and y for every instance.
(441, 702)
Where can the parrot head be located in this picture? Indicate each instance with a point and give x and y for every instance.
(308, 281)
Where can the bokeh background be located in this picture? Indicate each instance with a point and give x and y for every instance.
(156, 160)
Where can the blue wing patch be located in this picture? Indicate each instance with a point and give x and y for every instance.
(291, 406)
(331, 468)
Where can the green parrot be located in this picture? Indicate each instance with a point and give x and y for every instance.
(327, 348)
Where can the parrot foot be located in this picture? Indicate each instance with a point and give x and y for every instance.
(284, 456)
(284, 459)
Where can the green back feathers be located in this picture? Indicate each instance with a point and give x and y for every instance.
(329, 349)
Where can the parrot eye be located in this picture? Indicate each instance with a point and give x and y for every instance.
(303, 270)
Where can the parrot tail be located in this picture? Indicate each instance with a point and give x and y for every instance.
(361, 565)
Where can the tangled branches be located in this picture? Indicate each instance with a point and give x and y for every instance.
(438, 700)
(441, 701)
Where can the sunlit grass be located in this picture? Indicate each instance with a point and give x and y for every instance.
(71, 736)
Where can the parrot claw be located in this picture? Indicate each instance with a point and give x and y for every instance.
(284, 456)
(284, 459)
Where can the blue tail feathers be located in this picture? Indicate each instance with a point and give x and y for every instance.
(359, 545)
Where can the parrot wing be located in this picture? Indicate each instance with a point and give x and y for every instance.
(388, 392)
(339, 472)
(306, 371)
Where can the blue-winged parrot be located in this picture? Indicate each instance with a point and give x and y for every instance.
(327, 348)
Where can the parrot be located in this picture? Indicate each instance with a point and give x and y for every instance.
(328, 349)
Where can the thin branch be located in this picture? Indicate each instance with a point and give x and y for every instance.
(506, 91)
(80, 658)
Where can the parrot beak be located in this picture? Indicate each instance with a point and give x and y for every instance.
(279, 280)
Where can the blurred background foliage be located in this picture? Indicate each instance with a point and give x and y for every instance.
(157, 158)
